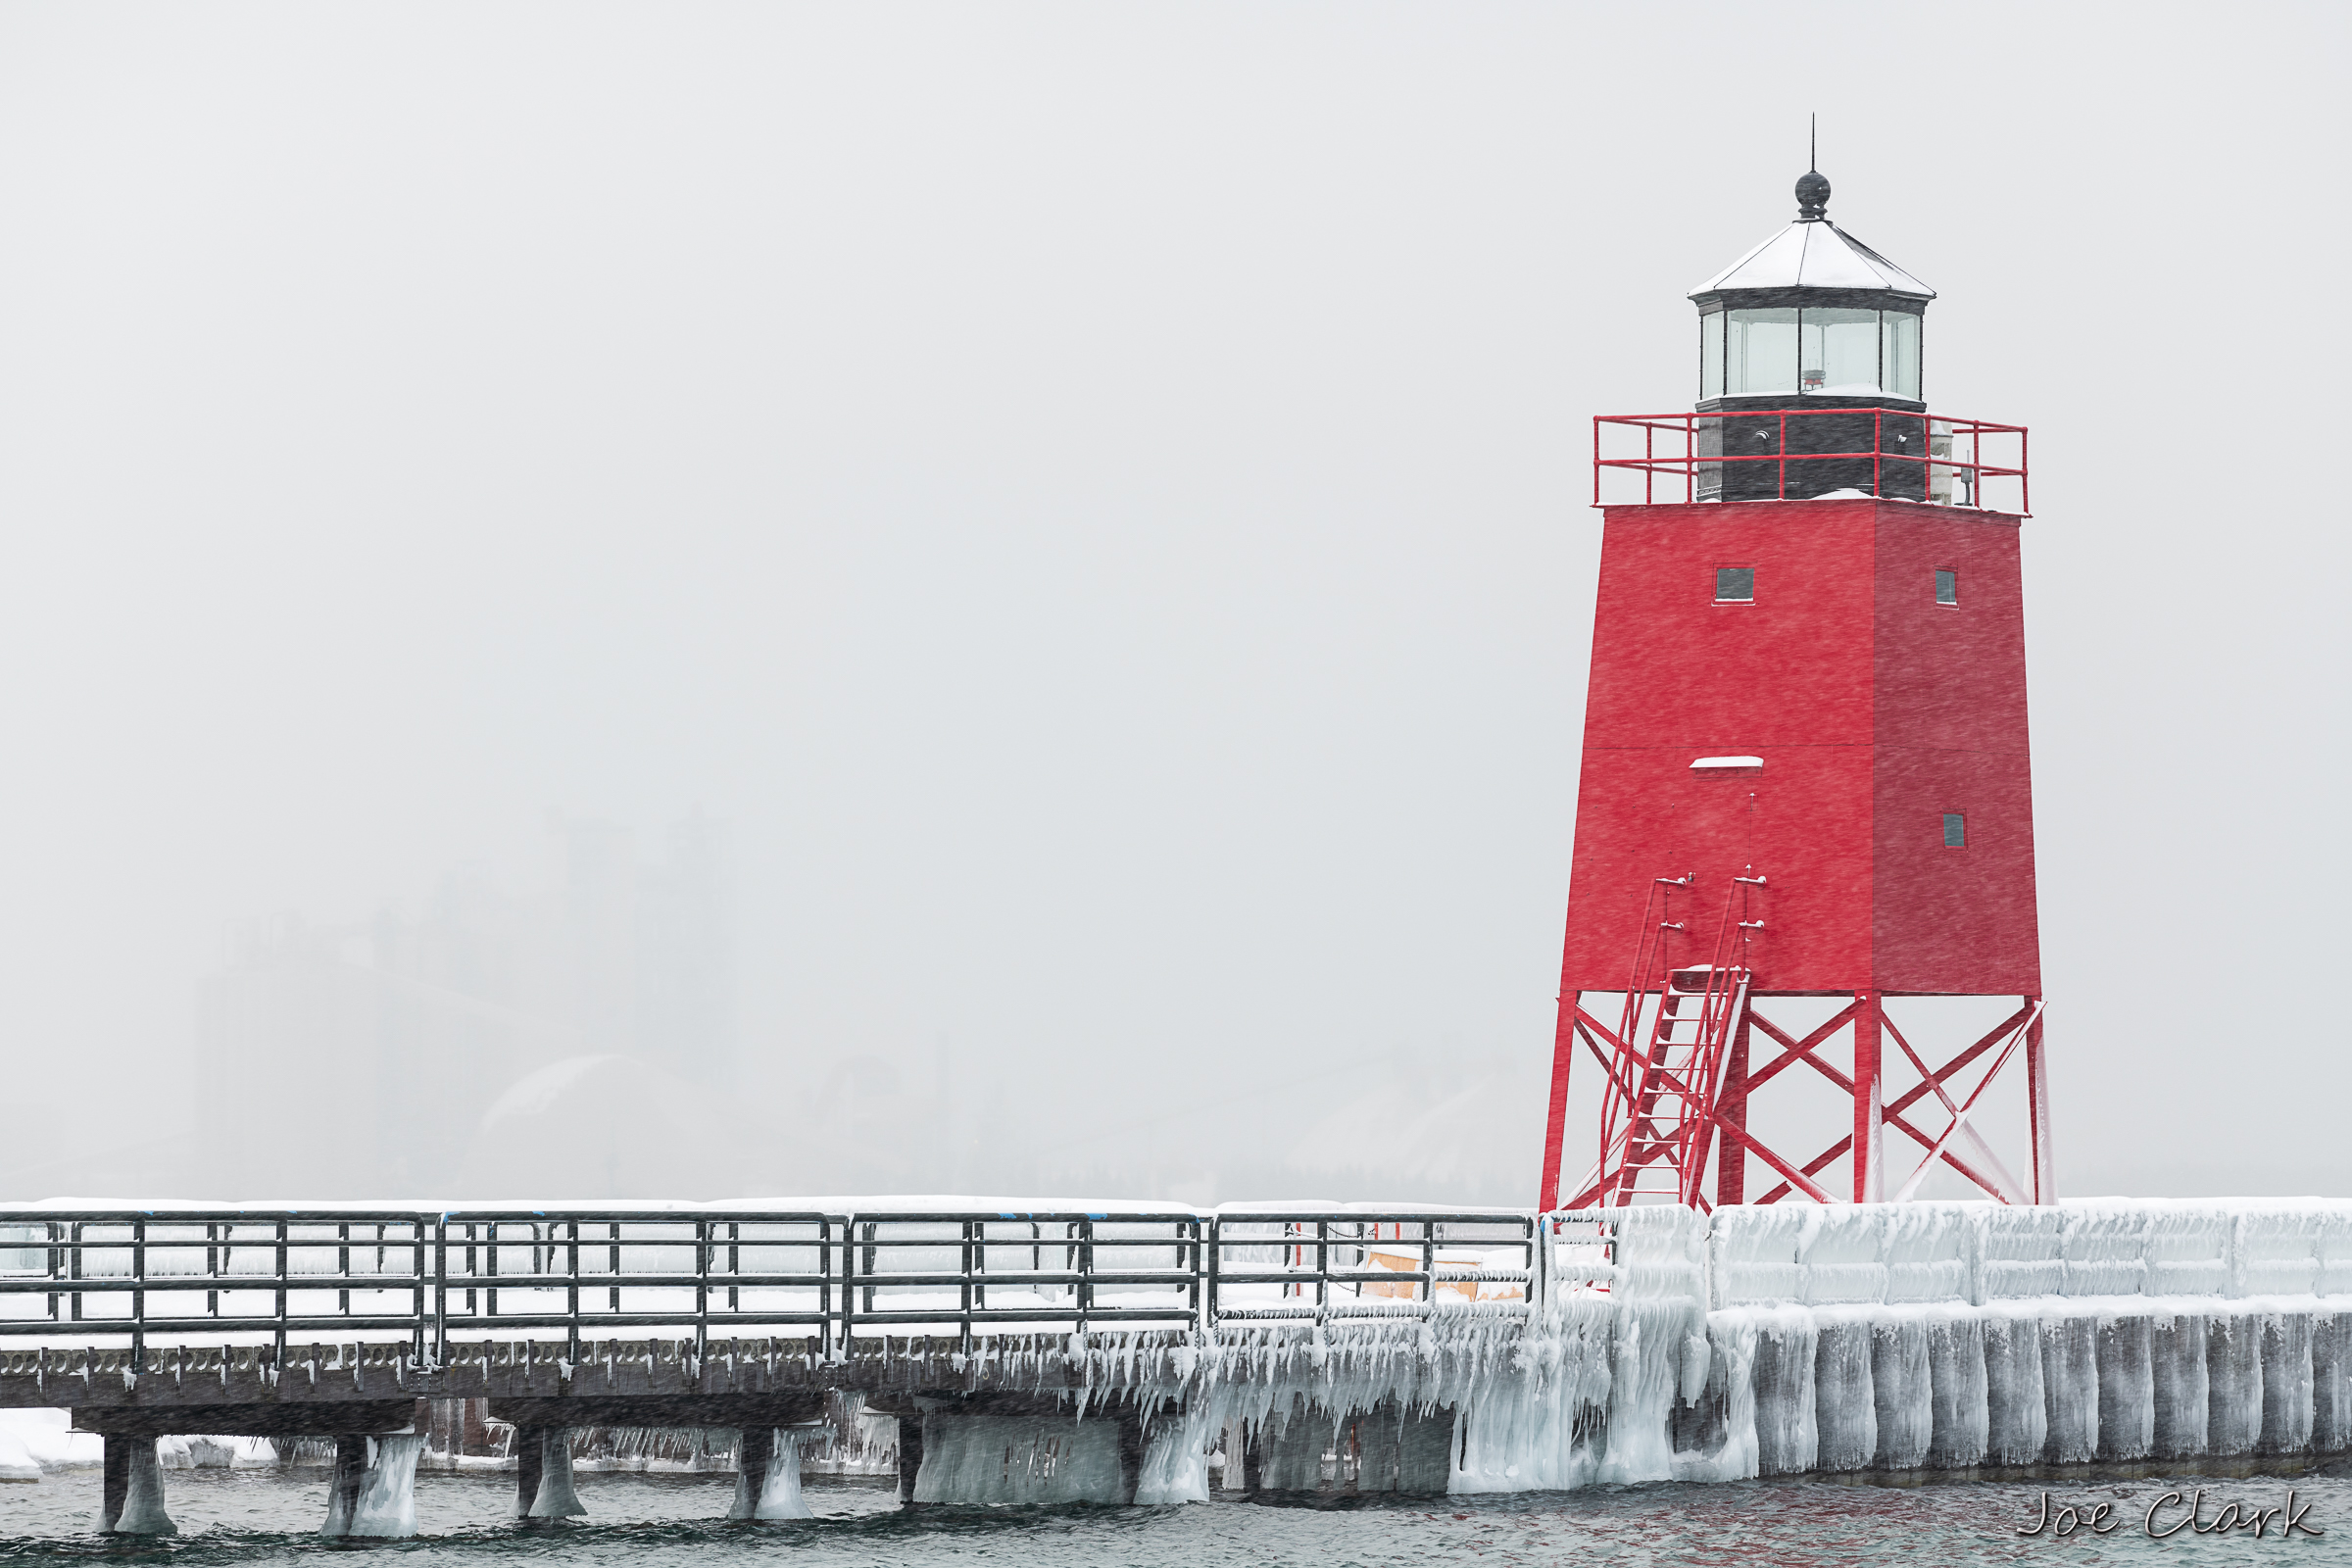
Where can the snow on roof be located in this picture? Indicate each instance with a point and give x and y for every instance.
(1815, 254)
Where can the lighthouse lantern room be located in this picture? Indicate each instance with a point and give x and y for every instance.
(1805, 770)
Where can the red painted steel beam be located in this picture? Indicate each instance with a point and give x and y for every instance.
(1891, 1115)
(1555, 1123)
(1801, 1179)
(1795, 1049)
(1944, 1074)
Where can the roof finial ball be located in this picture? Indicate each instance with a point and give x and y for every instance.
(1812, 197)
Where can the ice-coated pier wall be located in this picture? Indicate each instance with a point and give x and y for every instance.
(1889, 1336)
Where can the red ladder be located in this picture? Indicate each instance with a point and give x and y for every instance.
(1658, 1114)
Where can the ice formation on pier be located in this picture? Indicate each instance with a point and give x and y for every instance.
(1770, 1341)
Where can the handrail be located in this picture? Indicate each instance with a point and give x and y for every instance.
(432, 1277)
(1966, 472)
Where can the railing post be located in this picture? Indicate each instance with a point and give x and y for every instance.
(1538, 1263)
(702, 1290)
(572, 1291)
(849, 1281)
(966, 1285)
(138, 1295)
(279, 1250)
(1216, 1267)
(824, 1285)
(1086, 1270)
(441, 1291)
(1193, 1298)
(419, 1342)
(73, 1265)
(1322, 1268)
(343, 1268)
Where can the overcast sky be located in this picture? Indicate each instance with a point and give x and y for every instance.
(1095, 498)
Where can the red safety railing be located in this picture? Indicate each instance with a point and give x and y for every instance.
(1953, 472)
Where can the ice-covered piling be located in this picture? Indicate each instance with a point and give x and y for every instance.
(131, 1490)
(374, 1488)
(767, 1476)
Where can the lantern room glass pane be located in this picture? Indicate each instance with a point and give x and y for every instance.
(1899, 338)
(1759, 353)
(1840, 353)
(1710, 355)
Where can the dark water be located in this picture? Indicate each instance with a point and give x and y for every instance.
(672, 1521)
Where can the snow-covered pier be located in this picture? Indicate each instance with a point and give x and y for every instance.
(1124, 1354)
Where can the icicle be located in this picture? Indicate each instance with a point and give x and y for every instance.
(1843, 1399)
(2069, 1389)
(2286, 1383)
(1902, 1391)
(1175, 1466)
(2332, 1382)
(1788, 1423)
(2017, 1412)
(1715, 1433)
(2233, 1375)
(2180, 1397)
(1960, 1416)
(2124, 1347)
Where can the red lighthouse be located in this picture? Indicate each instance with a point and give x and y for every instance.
(1805, 769)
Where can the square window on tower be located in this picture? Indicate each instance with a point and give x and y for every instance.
(1947, 587)
(1735, 585)
(1955, 831)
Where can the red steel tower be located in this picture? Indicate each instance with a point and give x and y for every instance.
(1805, 768)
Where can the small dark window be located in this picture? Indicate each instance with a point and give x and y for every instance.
(1947, 587)
(1735, 585)
(1955, 831)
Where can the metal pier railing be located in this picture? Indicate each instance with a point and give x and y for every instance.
(118, 1276)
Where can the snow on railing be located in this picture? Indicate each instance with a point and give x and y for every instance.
(577, 1274)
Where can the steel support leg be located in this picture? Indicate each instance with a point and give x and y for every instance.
(1730, 1100)
(1555, 1125)
(2037, 1110)
(1870, 1143)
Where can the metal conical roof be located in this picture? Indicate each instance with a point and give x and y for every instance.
(1815, 253)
